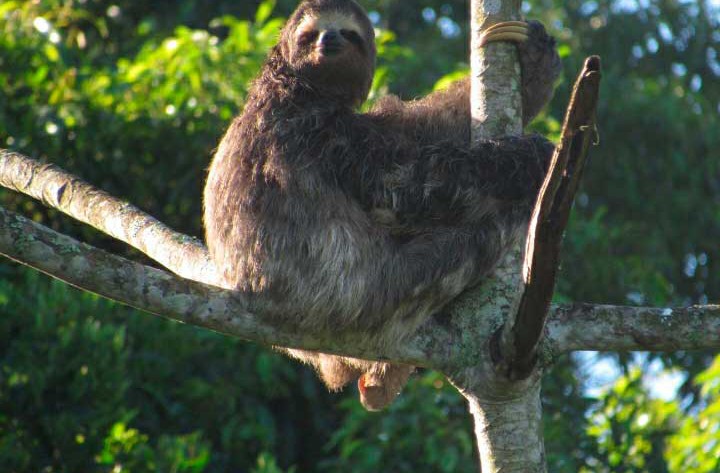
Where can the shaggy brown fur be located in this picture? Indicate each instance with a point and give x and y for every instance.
(366, 223)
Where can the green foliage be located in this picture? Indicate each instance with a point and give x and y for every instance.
(637, 432)
(87, 383)
(654, 166)
(428, 421)
(630, 427)
(695, 446)
(54, 402)
(267, 464)
(132, 451)
(160, 109)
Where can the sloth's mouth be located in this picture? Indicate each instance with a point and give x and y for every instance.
(329, 49)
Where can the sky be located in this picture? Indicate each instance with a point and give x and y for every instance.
(602, 371)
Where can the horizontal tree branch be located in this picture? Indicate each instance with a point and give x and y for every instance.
(165, 294)
(436, 345)
(621, 328)
(56, 188)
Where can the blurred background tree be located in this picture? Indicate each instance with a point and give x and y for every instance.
(133, 97)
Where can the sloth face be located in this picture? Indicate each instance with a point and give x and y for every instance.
(330, 38)
(332, 44)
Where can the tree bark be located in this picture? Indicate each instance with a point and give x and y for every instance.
(181, 254)
(617, 328)
(507, 414)
(495, 97)
(505, 432)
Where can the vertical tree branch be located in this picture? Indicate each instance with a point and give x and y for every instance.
(507, 415)
(521, 416)
(496, 110)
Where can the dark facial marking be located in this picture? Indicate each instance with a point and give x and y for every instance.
(353, 37)
(308, 37)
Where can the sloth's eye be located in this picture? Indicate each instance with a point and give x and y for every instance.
(352, 36)
(308, 37)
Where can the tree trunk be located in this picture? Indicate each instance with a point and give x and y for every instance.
(495, 91)
(507, 414)
(509, 432)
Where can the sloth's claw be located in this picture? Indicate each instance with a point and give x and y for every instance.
(515, 31)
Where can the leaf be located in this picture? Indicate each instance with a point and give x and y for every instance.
(446, 80)
(264, 11)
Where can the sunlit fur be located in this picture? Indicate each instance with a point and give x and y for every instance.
(362, 224)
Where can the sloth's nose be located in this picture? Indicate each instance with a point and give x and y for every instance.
(330, 39)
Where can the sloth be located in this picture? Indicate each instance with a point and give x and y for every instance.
(367, 223)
